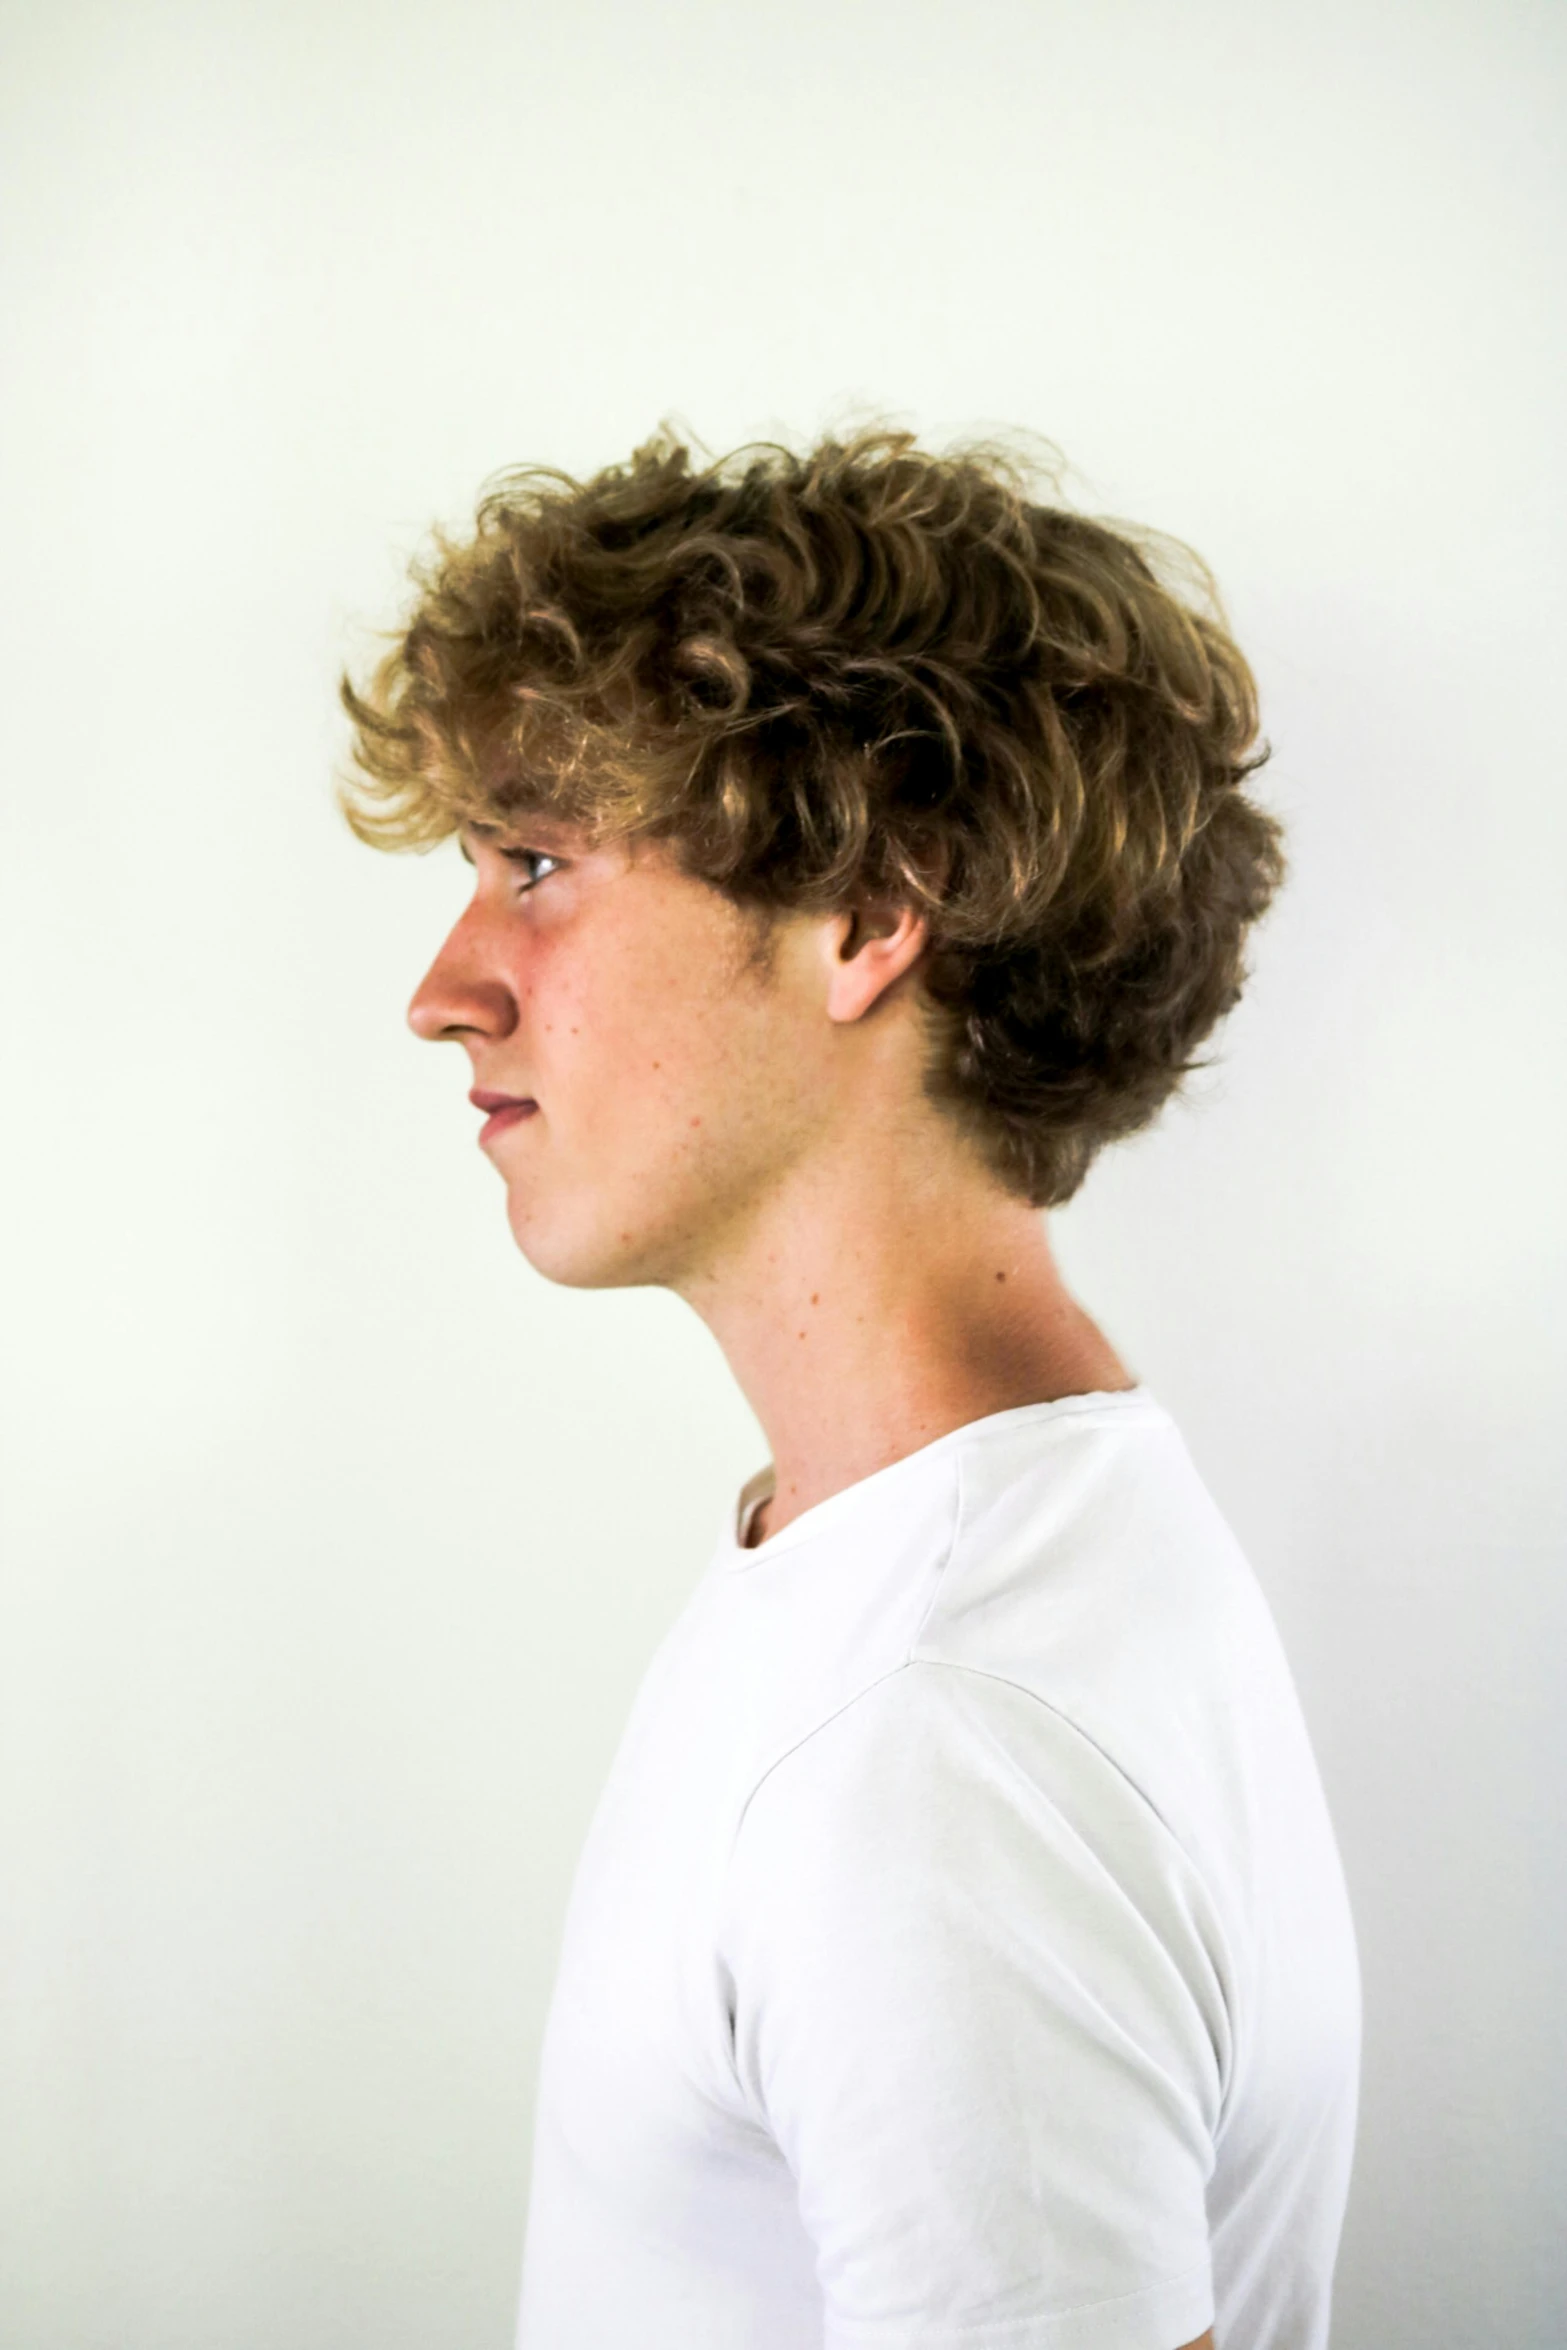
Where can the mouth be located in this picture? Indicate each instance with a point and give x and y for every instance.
(506, 1109)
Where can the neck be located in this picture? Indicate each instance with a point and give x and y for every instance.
(863, 1321)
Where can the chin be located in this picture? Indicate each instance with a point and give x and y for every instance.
(580, 1251)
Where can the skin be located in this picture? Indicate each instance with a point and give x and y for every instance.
(758, 1141)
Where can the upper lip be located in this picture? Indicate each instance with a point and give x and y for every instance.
(497, 1101)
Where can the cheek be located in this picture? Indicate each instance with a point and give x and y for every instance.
(660, 1090)
(610, 1048)
(657, 1054)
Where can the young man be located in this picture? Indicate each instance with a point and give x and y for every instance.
(959, 1955)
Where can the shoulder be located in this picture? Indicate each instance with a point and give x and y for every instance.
(941, 1768)
(951, 1822)
(949, 1869)
(1091, 1566)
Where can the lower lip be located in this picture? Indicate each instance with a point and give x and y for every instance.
(498, 1120)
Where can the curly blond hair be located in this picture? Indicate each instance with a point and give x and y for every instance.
(868, 672)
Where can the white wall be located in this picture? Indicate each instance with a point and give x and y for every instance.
(336, 1540)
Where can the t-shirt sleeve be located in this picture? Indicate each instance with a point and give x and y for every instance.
(978, 2003)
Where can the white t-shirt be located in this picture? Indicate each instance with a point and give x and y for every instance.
(959, 1957)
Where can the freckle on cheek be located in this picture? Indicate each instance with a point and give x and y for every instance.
(815, 1298)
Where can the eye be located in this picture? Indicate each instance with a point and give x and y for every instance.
(531, 857)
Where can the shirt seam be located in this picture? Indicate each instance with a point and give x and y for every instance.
(864, 1689)
(805, 1739)
(1202, 2270)
(954, 1664)
(1005, 1680)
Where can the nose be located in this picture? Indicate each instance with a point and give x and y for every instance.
(462, 993)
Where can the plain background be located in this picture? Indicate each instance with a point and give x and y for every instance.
(336, 1539)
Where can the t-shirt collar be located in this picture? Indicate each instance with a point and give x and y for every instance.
(761, 1485)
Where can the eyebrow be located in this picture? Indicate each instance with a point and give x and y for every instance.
(535, 828)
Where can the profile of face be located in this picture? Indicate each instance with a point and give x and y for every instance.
(672, 1082)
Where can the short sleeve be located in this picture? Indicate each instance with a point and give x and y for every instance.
(978, 2005)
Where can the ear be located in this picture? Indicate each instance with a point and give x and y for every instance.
(867, 951)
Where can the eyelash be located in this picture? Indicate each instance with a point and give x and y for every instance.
(538, 856)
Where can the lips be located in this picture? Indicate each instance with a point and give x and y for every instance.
(505, 1109)
(501, 1101)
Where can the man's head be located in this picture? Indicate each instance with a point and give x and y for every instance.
(787, 718)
